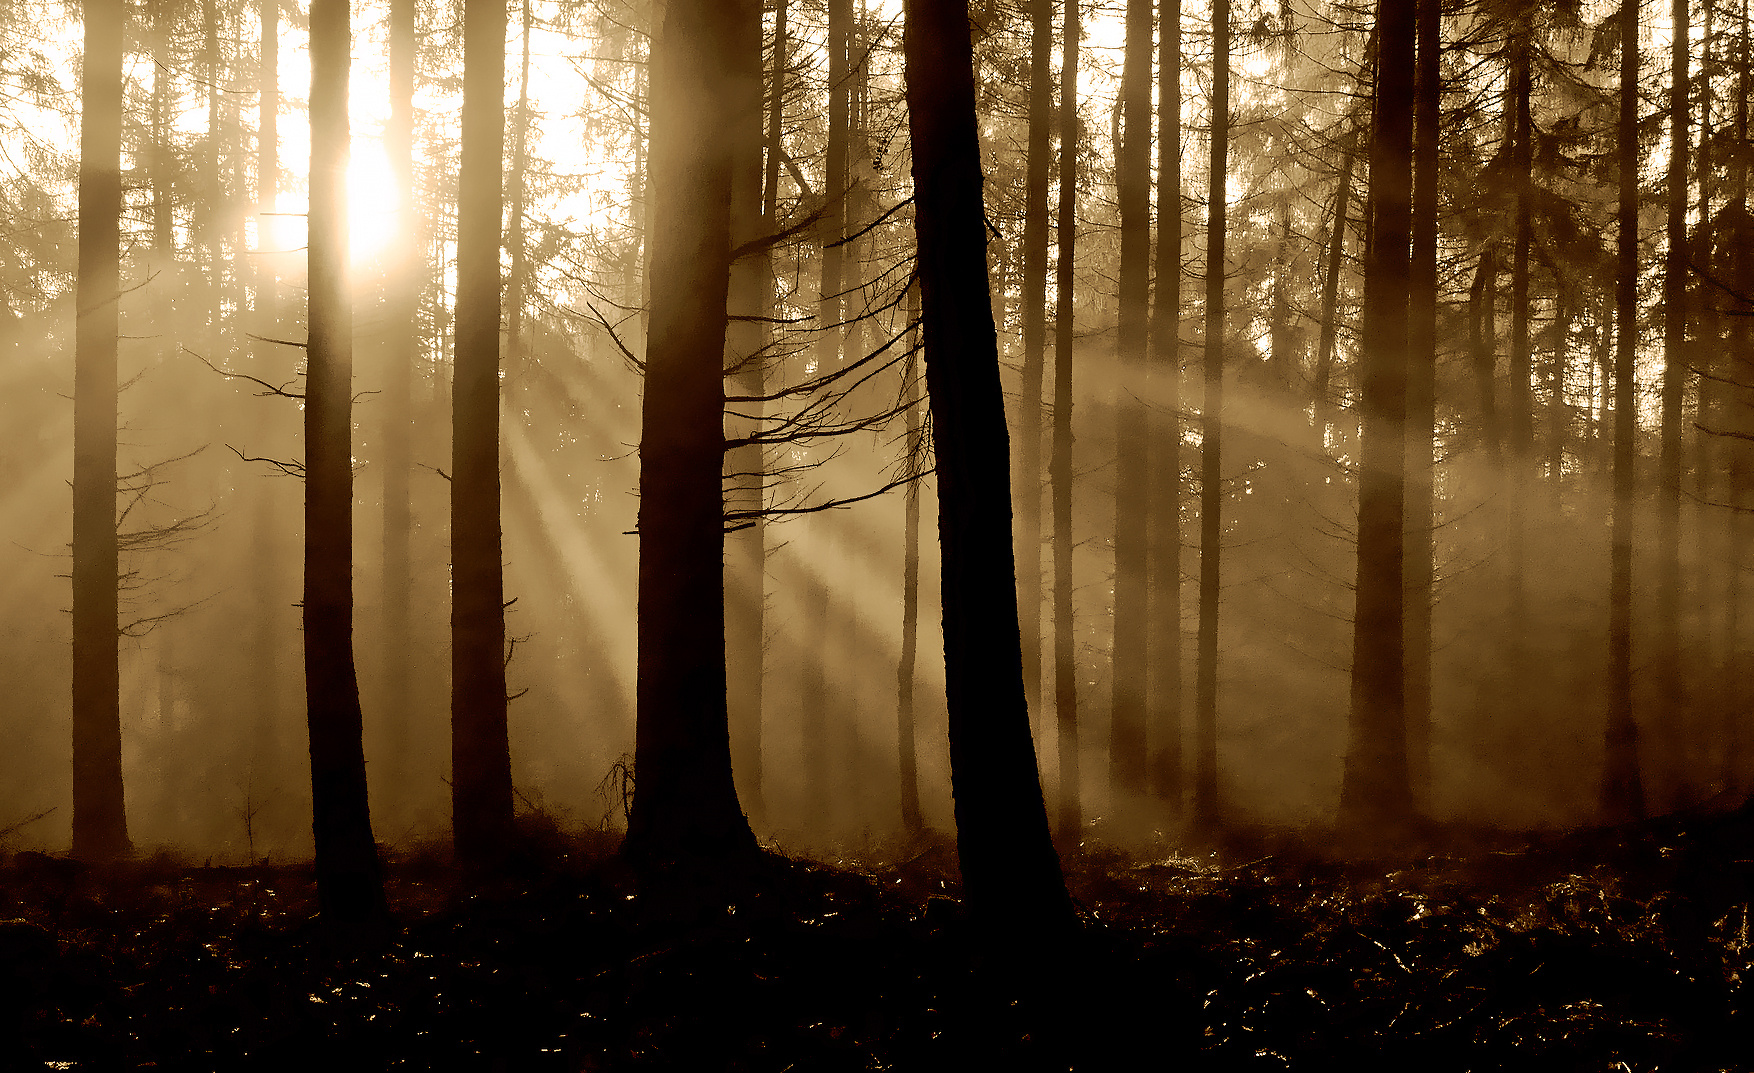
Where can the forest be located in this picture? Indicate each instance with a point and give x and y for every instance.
(501, 622)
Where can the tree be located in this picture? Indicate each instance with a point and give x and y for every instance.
(1676, 364)
(1034, 286)
(1070, 820)
(1010, 872)
(1164, 648)
(100, 824)
(481, 776)
(685, 803)
(1622, 788)
(1128, 759)
(1422, 400)
(349, 886)
(1376, 791)
(1205, 803)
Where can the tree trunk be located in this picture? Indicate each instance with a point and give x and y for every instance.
(1126, 745)
(750, 299)
(911, 820)
(1670, 697)
(1164, 642)
(481, 776)
(1422, 403)
(1070, 822)
(1622, 788)
(1010, 872)
(1375, 791)
(349, 886)
(685, 801)
(1518, 396)
(1205, 804)
(100, 823)
(1330, 322)
(1034, 287)
(400, 327)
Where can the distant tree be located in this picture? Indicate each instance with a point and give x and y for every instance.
(1164, 637)
(1375, 790)
(350, 888)
(1205, 800)
(685, 802)
(1677, 363)
(1010, 872)
(1069, 822)
(1128, 758)
(1034, 283)
(1622, 787)
(100, 824)
(481, 775)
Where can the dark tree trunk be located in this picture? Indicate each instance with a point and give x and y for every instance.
(400, 317)
(685, 802)
(1422, 402)
(1670, 697)
(1205, 803)
(1336, 257)
(1483, 342)
(1622, 787)
(1164, 646)
(1034, 287)
(1069, 822)
(1010, 872)
(349, 886)
(100, 823)
(1126, 745)
(1518, 396)
(911, 818)
(750, 299)
(481, 776)
(1375, 791)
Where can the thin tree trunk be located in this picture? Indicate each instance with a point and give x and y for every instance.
(1126, 746)
(1070, 821)
(1422, 403)
(1205, 804)
(911, 820)
(1164, 639)
(1010, 872)
(750, 300)
(1375, 791)
(685, 800)
(100, 823)
(1336, 256)
(1622, 789)
(349, 886)
(1671, 699)
(1034, 286)
(400, 316)
(1518, 396)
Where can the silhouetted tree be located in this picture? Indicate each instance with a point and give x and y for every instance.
(1164, 638)
(349, 886)
(685, 803)
(1070, 820)
(1375, 790)
(100, 824)
(1010, 872)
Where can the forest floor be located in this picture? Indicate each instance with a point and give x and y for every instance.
(1618, 949)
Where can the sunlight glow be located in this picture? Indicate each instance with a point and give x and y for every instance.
(371, 200)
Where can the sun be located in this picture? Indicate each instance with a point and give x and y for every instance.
(372, 204)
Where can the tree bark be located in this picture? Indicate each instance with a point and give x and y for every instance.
(1205, 803)
(1069, 822)
(100, 823)
(1010, 872)
(1671, 698)
(1034, 300)
(1164, 640)
(1128, 767)
(1422, 402)
(1375, 791)
(349, 885)
(685, 801)
(481, 776)
(1622, 788)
